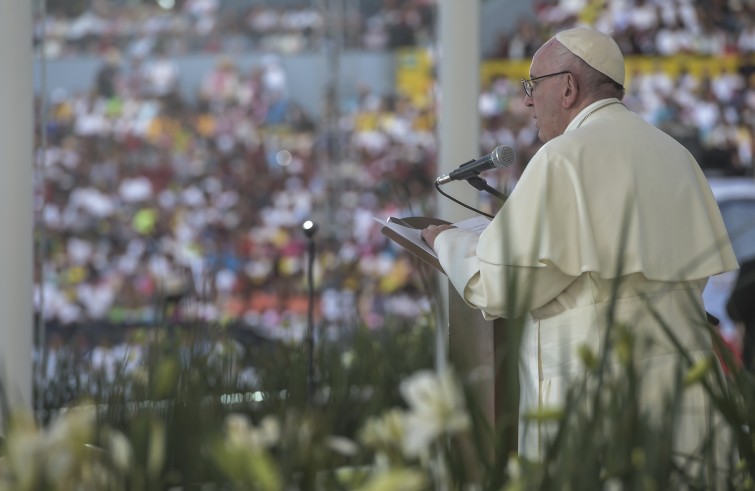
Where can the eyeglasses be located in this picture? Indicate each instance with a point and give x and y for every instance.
(529, 84)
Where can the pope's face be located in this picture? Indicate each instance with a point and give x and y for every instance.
(547, 94)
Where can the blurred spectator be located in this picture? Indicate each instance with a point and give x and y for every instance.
(221, 85)
(160, 75)
(107, 76)
(741, 309)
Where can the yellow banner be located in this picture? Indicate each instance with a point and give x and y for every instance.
(415, 74)
(698, 66)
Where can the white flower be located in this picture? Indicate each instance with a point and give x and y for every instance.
(120, 450)
(436, 407)
(241, 432)
(23, 448)
(64, 443)
(342, 445)
(514, 468)
(397, 480)
(347, 359)
(384, 431)
(52, 455)
(74, 427)
(269, 432)
(156, 449)
(237, 428)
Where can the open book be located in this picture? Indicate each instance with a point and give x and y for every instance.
(406, 232)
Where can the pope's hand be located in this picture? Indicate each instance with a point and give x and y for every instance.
(431, 232)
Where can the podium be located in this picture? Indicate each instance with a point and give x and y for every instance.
(483, 353)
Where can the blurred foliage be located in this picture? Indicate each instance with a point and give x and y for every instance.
(379, 418)
(189, 381)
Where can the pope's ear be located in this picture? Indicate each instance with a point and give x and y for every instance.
(570, 91)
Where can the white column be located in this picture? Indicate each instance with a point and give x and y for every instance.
(16, 217)
(469, 341)
(459, 84)
(458, 68)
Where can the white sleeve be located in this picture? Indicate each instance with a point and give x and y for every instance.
(498, 290)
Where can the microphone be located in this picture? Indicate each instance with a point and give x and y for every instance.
(501, 156)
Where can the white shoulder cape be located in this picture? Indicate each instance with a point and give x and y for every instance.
(613, 196)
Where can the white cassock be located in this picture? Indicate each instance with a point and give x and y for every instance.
(613, 197)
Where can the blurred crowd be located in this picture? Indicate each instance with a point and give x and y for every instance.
(642, 27)
(144, 29)
(152, 208)
(212, 26)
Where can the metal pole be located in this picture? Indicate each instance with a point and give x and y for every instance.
(310, 228)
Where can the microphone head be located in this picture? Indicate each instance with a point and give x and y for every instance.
(503, 156)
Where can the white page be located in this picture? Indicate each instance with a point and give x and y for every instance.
(475, 224)
(414, 235)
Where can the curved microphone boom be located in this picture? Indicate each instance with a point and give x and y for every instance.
(501, 156)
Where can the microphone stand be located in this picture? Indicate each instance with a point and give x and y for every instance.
(310, 228)
(481, 184)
